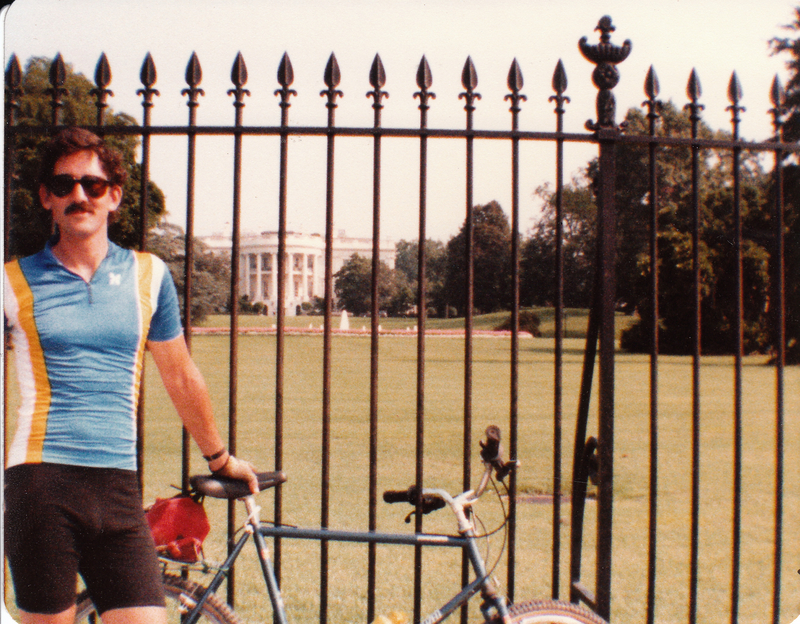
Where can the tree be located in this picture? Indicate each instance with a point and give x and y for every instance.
(211, 275)
(353, 289)
(538, 254)
(791, 132)
(675, 239)
(407, 267)
(492, 262)
(30, 223)
(717, 253)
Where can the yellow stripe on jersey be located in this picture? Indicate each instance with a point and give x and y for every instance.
(38, 368)
(144, 274)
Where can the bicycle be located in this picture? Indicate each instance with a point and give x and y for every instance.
(190, 602)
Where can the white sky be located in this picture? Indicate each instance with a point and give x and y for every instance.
(715, 37)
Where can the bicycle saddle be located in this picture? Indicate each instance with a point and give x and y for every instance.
(225, 487)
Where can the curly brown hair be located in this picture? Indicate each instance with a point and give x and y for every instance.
(71, 140)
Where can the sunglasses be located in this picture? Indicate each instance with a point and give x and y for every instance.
(62, 185)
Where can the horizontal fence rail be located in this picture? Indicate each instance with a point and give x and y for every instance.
(591, 454)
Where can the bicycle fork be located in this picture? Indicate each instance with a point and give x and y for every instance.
(492, 599)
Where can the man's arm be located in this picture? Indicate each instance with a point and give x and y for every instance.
(187, 389)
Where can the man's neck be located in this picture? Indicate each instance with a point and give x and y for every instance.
(81, 256)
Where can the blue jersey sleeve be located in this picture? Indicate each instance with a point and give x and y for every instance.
(166, 322)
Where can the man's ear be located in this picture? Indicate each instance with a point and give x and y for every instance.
(44, 197)
(116, 196)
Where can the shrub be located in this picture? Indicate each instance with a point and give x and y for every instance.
(529, 321)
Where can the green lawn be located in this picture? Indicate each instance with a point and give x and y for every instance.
(443, 432)
(575, 322)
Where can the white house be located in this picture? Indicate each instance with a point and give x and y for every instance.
(305, 264)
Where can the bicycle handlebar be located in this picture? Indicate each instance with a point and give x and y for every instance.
(430, 502)
(492, 457)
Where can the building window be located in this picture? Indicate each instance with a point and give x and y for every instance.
(298, 262)
(253, 262)
(266, 262)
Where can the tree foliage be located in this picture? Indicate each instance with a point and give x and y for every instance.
(791, 132)
(30, 223)
(538, 254)
(717, 247)
(211, 275)
(492, 262)
(717, 251)
(353, 289)
(407, 265)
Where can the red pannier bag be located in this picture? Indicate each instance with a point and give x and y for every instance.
(179, 525)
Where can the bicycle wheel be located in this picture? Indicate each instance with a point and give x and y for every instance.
(181, 594)
(551, 612)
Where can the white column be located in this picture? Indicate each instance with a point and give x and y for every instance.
(244, 275)
(258, 295)
(304, 260)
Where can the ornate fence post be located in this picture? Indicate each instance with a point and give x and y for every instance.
(605, 77)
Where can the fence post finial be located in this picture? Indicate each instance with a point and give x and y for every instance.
(377, 79)
(332, 78)
(58, 76)
(605, 76)
(13, 88)
(239, 79)
(285, 79)
(194, 75)
(778, 98)
(102, 78)
(424, 82)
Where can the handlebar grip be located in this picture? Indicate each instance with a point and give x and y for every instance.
(397, 496)
(430, 502)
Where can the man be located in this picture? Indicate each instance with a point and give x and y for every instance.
(81, 313)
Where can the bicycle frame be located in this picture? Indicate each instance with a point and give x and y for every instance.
(468, 541)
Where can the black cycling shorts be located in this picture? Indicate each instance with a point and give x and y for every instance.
(61, 521)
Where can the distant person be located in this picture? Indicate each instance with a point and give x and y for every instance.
(81, 313)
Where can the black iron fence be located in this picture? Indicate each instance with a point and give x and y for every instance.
(601, 344)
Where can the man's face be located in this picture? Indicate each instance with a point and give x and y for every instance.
(77, 214)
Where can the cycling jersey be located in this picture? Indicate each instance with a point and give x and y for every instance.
(79, 348)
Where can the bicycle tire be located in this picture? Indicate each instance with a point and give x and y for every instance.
(550, 612)
(179, 592)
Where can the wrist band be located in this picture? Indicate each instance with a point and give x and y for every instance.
(222, 467)
(217, 455)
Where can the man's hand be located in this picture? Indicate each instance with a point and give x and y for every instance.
(240, 469)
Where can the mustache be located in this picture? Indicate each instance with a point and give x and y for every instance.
(76, 207)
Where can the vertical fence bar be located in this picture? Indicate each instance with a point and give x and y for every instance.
(605, 77)
(285, 79)
(605, 439)
(332, 79)
(734, 96)
(148, 79)
(424, 82)
(777, 97)
(193, 76)
(377, 79)
(559, 86)
(651, 90)
(239, 78)
(514, 83)
(694, 91)
(469, 80)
